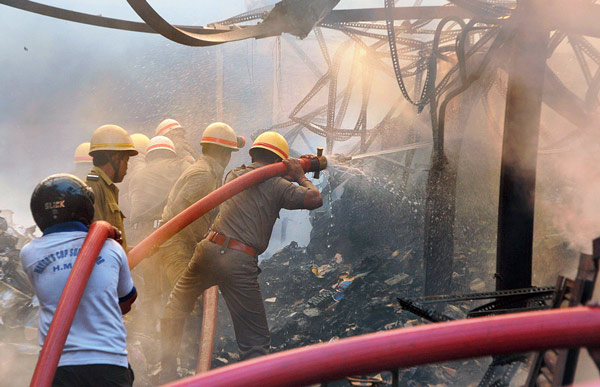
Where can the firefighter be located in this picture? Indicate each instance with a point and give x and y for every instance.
(95, 350)
(140, 141)
(148, 192)
(110, 149)
(149, 188)
(176, 133)
(197, 181)
(228, 256)
(82, 160)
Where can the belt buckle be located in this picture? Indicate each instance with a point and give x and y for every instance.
(225, 245)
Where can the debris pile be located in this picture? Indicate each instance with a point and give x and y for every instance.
(18, 306)
(365, 251)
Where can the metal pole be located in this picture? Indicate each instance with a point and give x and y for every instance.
(519, 151)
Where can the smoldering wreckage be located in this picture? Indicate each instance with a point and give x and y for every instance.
(386, 250)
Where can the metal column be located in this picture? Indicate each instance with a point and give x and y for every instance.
(519, 150)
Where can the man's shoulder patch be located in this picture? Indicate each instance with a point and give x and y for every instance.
(92, 177)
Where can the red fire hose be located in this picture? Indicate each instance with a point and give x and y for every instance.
(511, 333)
(210, 201)
(210, 300)
(69, 301)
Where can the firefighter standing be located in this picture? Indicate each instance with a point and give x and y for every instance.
(148, 192)
(228, 257)
(176, 133)
(95, 350)
(149, 188)
(82, 160)
(140, 141)
(110, 149)
(197, 181)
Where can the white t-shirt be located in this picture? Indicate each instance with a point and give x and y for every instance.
(97, 335)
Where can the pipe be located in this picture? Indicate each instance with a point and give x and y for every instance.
(210, 300)
(210, 201)
(407, 347)
(68, 303)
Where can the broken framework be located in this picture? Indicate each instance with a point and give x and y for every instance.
(515, 36)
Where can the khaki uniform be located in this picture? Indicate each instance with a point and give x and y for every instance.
(106, 203)
(247, 217)
(148, 192)
(134, 165)
(197, 181)
(184, 150)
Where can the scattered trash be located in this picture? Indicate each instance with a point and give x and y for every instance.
(396, 279)
(477, 285)
(311, 312)
(322, 270)
(271, 299)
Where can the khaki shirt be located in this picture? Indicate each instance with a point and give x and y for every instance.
(197, 181)
(150, 186)
(134, 165)
(184, 149)
(106, 203)
(249, 216)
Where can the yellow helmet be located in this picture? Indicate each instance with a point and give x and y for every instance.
(274, 142)
(222, 134)
(111, 138)
(166, 126)
(140, 141)
(160, 142)
(82, 153)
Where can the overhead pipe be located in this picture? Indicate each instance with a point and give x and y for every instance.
(407, 347)
(68, 303)
(212, 200)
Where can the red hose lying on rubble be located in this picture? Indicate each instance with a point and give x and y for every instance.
(69, 301)
(407, 347)
(210, 201)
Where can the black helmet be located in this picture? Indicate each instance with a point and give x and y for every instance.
(62, 198)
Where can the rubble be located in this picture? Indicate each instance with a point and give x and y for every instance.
(345, 282)
(19, 348)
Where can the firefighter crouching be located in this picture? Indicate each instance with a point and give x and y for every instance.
(228, 256)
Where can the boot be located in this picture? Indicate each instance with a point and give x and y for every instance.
(171, 331)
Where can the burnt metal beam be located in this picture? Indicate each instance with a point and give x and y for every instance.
(527, 69)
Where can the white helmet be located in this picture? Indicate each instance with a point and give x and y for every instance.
(160, 142)
(166, 126)
(81, 153)
(223, 135)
